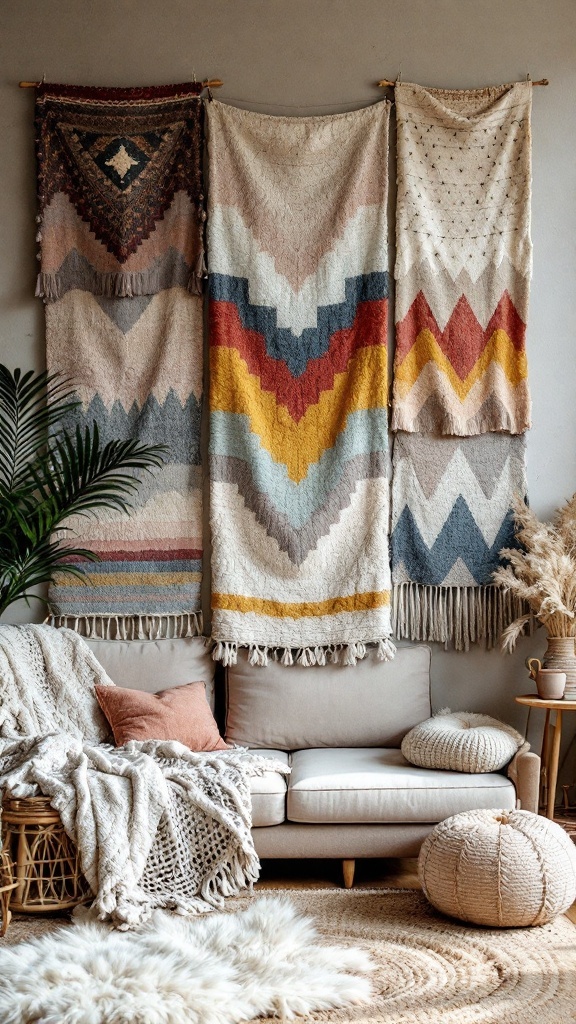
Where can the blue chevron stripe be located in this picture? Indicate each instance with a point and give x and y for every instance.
(460, 537)
(175, 425)
(230, 435)
(296, 351)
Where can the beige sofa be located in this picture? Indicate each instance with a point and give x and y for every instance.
(351, 793)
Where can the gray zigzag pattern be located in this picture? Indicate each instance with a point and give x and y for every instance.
(298, 543)
(486, 454)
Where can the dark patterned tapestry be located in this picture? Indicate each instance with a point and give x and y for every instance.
(121, 216)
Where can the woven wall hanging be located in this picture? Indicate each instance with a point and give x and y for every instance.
(298, 306)
(121, 225)
(461, 399)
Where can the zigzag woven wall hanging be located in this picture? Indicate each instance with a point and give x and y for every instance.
(461, 401)
(121, 226)
(298, 308)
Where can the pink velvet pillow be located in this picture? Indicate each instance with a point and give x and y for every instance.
(181, 713)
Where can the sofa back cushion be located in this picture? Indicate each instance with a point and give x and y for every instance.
(154, 665)
(372, 704)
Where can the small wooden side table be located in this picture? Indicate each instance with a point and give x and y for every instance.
(550, 745)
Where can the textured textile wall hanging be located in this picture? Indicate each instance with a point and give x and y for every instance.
(298, 307)
(121, 258)
(462, 274)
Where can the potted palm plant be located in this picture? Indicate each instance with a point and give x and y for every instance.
(49, 473)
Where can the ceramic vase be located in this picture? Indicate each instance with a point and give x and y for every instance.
(560, 655)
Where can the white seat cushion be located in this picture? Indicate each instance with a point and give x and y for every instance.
(377, 784)
(269, 792)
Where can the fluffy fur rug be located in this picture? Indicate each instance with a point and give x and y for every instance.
(220, 969)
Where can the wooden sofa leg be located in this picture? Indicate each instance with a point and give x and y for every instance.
(348, 867)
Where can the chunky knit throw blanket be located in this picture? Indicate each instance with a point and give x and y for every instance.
(156, 825)
(121, 226)
(462, 274)
(298, 302)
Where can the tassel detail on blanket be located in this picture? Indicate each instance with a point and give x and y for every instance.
(454, 616)
(133, 627)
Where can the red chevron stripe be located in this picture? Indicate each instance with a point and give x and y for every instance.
(297, 394)
(463, 340)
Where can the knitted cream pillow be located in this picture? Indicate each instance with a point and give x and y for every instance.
(461, 742)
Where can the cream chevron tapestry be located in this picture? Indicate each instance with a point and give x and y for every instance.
(463, 260)
(298, 287)
(461, 401)
(121, 227)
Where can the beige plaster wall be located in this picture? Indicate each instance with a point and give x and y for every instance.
(317, 56)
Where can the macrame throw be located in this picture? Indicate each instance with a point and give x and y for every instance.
(121, 263)
(461, 399)
(298, 305)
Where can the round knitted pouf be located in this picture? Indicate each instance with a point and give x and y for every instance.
(505, 869)
(461, 742)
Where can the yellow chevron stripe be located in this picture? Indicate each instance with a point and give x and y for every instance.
(234, 389)
(301, 609)
(426, 349)
(135, 579)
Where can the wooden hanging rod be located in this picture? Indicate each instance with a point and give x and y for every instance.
(386, 81)
(208, 83)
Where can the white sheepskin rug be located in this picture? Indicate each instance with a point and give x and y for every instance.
(217, 969)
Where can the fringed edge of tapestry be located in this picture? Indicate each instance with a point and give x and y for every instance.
(121, 284)
(226, 652)
(454, 616)
(131, 627)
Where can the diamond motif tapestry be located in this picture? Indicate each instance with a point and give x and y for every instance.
(298, 317)
(121, 227)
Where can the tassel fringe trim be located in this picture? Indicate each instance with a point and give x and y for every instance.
(454, 616)
(52, 287)
(131, 627)
(226, 652)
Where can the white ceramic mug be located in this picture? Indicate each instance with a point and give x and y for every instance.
(550, 682)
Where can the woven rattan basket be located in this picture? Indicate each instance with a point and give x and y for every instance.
(7, 885)
(45, 861)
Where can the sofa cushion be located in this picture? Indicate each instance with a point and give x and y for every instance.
(371, 704)
(154, 665)
(461, 742)
(269, 793)
(379, 785)
(180, 713)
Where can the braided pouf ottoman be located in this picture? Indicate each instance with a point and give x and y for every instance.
(505, 869)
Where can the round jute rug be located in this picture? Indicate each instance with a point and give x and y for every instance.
(430, 970)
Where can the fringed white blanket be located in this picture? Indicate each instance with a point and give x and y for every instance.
(156, 825)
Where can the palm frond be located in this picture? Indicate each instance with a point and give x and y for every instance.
(48, 475)
(30, 405)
